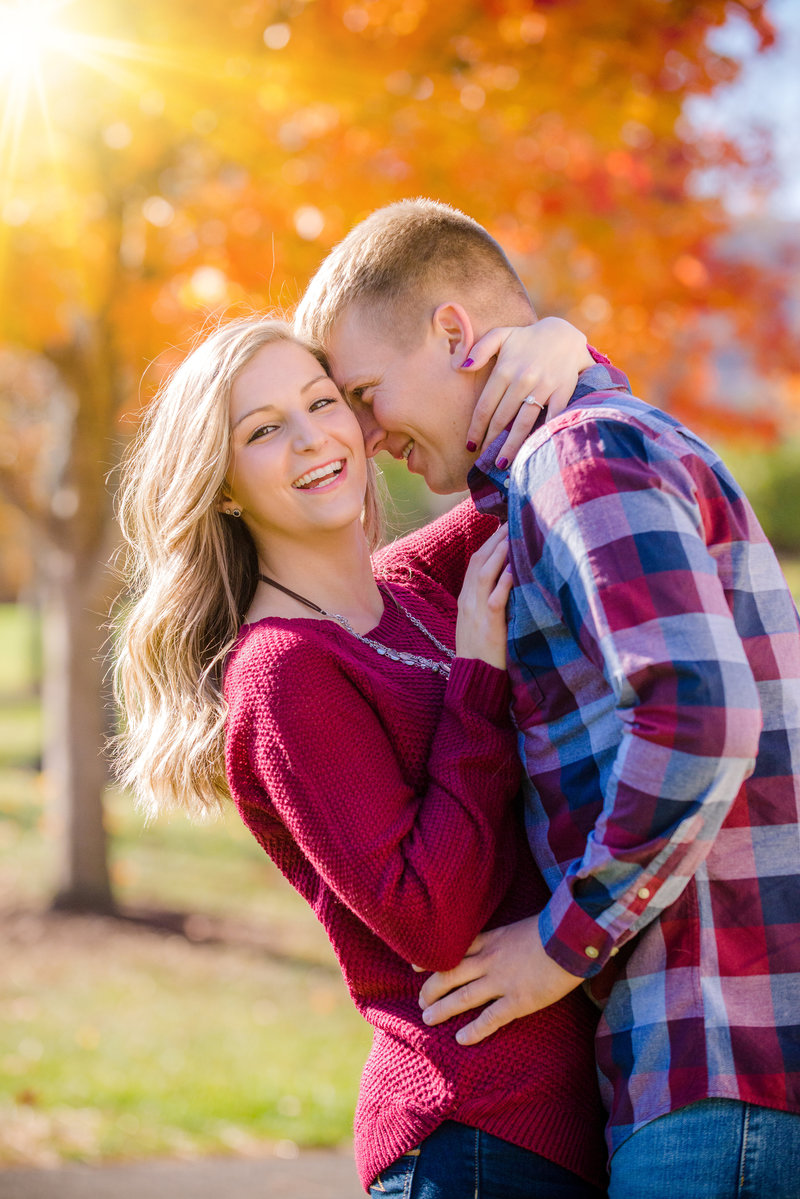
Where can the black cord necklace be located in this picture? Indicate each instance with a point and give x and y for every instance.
(396, 655)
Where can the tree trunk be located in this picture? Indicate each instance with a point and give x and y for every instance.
(73, 695)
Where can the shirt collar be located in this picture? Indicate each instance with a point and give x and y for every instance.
(489, 485)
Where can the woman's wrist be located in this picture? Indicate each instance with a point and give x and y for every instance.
(480, 686)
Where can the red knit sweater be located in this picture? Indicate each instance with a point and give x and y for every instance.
(385, 794)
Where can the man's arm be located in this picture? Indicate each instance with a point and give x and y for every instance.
(608, 533)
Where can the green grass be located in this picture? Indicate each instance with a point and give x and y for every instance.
(20, 650)
(121, 1041)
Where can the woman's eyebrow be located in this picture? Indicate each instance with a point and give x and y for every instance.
(252, 412)
(317, 379)
(266, 407)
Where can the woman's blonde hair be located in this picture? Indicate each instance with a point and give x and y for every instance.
(191, 573)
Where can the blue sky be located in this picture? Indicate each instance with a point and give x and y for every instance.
(767, 93)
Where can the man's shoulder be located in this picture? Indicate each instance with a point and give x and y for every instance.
(611, 423)
(606, 388)
(606, 442)
(597, 425)
(614, 405)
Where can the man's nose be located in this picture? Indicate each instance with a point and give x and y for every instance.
(374, 434)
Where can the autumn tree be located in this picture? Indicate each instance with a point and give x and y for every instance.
(177, 161)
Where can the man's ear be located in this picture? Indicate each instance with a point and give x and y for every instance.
(452, 323)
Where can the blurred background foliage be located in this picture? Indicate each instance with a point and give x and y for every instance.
(772, 480)
(164, 166)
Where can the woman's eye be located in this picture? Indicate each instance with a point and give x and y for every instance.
(323, 403)
(261, 431)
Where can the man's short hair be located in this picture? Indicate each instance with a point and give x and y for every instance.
(403, 260)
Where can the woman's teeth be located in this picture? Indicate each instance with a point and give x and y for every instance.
(408, 450)
(322, 474)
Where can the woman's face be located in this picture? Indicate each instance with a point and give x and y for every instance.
(298, 465)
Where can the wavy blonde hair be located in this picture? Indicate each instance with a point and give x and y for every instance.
(191, 574)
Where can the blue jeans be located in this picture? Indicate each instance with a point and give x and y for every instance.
(458, 1162)
(713, 1149)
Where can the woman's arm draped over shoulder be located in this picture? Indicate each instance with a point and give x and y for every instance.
(423, 867)
(442, 549)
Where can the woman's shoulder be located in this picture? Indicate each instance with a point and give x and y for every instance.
(419, 592)
(439, 551)
(274, 651)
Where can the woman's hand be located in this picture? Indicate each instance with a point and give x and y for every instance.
(541, 360)
(482, 628)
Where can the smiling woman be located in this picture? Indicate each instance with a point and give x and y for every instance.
(298, 467)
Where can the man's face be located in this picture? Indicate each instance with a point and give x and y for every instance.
(411, 402)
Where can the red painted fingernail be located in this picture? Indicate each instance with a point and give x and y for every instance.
(471, 446)
(467, 362)
(501, 463)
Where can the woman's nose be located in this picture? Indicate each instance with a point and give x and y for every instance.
(306, 434)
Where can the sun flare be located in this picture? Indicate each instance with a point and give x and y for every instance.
(36, 45)
(28, 31)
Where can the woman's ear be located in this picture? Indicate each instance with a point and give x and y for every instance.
(452, 323)
(228, 507)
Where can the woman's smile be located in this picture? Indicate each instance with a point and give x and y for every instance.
(321, 477)
(293, 435)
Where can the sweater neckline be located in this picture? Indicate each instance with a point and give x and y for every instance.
(375, 631)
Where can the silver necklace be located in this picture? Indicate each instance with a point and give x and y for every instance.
(386, 651)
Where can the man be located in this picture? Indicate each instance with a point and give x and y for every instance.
(654, 652)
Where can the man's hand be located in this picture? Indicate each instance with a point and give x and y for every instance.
(507, 965)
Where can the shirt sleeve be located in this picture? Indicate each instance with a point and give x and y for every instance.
(609, 529)
(424, 865)
(598, 355)
(440, 550)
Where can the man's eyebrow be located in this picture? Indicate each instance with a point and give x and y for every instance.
(266, 407)
(357, 388)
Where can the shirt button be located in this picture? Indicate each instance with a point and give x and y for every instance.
(643, 892)
(614, 952)
(591, 952)
(505, 483)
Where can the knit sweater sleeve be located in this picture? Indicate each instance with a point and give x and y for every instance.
(423, 867)
(440, 550)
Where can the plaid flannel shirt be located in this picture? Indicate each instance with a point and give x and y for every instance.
(654, 652)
